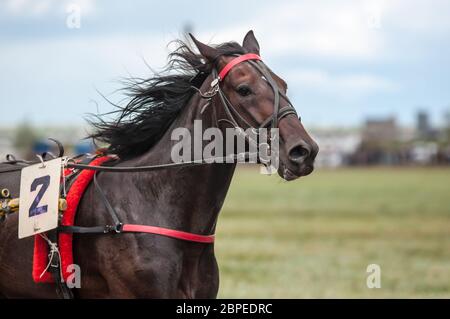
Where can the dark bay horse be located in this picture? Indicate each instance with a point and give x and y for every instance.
(136, 265)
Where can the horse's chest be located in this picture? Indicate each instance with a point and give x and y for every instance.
(199, 276)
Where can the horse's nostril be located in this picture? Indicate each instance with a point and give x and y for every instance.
(298, 153)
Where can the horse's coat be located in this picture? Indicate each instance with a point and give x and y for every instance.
(140, 265)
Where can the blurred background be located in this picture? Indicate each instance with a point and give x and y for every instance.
(370, 80)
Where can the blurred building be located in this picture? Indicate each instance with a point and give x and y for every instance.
(380, 144)
(423, 125)
(380, 131)
(424, 128)
(447, 120)
(336, 146)
(424, 152)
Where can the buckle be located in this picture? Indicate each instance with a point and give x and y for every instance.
(113, 228)
(118, 228)
(215, 82)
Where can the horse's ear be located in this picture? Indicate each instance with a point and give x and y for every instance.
(208, 52)
(250, 43)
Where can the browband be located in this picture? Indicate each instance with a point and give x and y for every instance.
(249, 56)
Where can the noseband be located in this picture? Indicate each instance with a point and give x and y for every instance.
(230, 110)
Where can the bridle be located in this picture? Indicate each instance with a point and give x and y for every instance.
(233, 116)
(230, 109)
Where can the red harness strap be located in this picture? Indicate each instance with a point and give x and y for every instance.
(249, 56)
(131, 228)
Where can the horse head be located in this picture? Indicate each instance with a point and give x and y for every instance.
(254, 96)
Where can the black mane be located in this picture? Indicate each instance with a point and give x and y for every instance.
(154, 103)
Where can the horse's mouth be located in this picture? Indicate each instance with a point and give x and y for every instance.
(290, 175)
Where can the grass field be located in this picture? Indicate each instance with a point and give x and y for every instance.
(316, 236)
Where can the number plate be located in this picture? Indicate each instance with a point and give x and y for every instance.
(39, 196)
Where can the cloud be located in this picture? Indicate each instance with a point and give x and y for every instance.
(15, 6)
(44, 8)
(363, 30)
(319, 29)
(353, 85)
(64, 74)
(416, 16)
(109, 53)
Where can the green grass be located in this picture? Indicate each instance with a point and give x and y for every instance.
(315, 237)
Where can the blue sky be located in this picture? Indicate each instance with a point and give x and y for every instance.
(343, 60)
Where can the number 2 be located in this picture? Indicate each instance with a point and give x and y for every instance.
(34, 208)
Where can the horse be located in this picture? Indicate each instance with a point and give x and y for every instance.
(139, 265)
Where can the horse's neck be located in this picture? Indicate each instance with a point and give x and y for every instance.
(195, 193)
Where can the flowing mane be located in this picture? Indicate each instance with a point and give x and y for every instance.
(154, 103)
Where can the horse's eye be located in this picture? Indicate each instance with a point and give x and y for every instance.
(244, 90)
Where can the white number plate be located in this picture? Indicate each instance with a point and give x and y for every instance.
(39, 196)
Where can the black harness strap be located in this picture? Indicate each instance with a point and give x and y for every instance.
(86, 230)
(116, 228)
(62, 290)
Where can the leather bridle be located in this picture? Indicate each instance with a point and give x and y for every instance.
(230, 109)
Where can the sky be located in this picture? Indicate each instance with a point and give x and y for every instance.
(344, 61)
